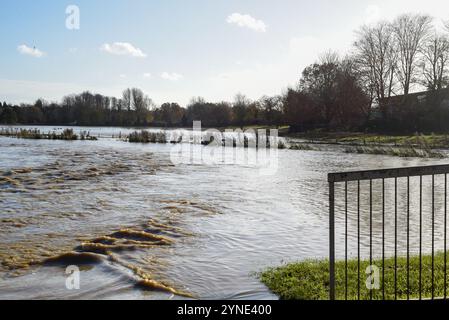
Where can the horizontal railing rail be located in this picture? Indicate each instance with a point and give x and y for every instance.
(388, 173)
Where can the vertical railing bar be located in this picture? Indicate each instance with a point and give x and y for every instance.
(420, 238)
(346, 240)
(383, 239)
(433, 237)
(408, 238)
(445, 236)
(358, 239)
(395, 238)
(332, 241)
(371, 230)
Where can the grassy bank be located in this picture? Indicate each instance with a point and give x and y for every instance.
(434, 141)
(309, 280)
(411, 146)
(404, 151)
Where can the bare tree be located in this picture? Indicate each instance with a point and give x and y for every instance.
(435, 60)
(240, 106)
(271, 107)
(411, 33)
(126, 98)
(320, 81)
(376, 61)
(142, 104)
(352, 71)
(330, 57)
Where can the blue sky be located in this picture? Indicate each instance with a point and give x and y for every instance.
(177, 49)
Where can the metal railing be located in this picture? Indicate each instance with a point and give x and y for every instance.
(395, 176)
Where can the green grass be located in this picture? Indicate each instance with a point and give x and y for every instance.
(309, 280)
(430, 141)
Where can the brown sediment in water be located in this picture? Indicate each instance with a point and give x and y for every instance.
(44, 204)
(147, 282)
(141, 236)
(22, 170)
(101, 249)
(13, 222)
(122, 240)
(189, 206)
(7, 180)
(51, 188)
(129, 245)
(74, 168)
(104, 248)
(157, 227)
(152, 284)
(74, 258)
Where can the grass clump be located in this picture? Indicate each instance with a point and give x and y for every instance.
(67, 134)
(147, 137)
(309, 280)
(301, 147)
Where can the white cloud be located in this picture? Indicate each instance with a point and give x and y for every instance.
(147, 75)
(34, 52)
(372, 14)
(171, 76)
(123, 49)
(247, 21)
(123, 76)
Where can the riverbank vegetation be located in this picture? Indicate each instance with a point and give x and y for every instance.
(433, 141)
(309, 280)
(244, 140)
(403, 152)
(147, 137)
(67, 134)
(378, 87)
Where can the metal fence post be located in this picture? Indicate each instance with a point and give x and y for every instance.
(331, 240)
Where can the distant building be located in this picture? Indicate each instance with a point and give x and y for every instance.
(425, 99)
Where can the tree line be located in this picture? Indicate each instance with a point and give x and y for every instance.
(371, 88)
(135, 109)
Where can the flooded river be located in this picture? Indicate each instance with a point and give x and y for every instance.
(140, 227)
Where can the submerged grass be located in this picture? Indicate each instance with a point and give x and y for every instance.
(147, 137)
(309, 280)
(419, 140)
(67, 134)
(404, 152)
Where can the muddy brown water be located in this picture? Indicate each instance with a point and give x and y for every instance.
(140, 227)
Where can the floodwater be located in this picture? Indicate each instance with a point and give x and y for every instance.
(139, 226)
